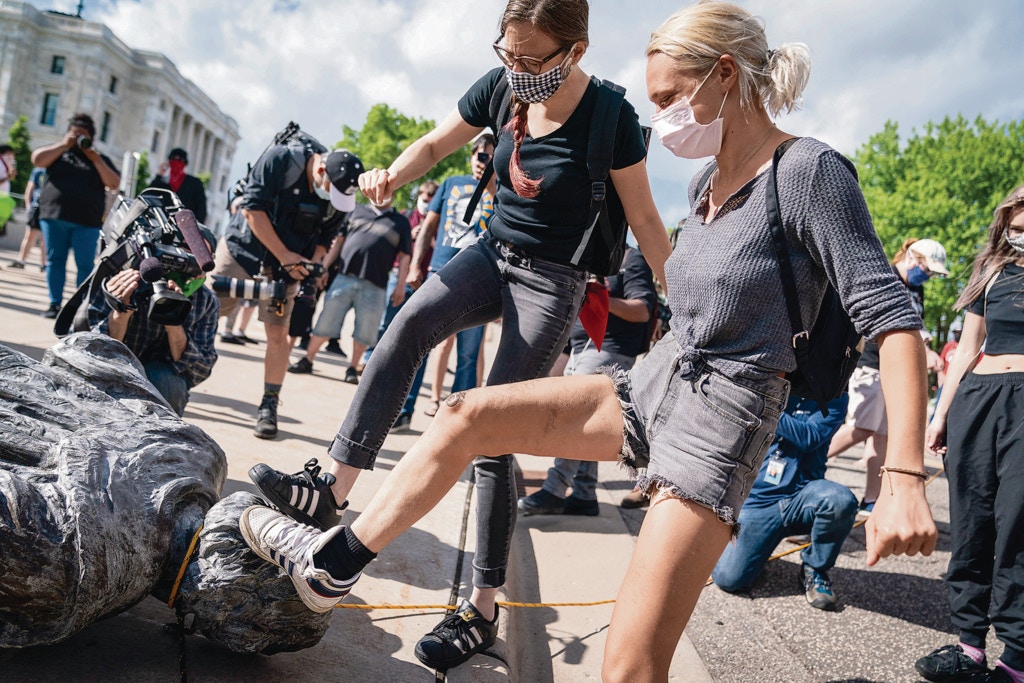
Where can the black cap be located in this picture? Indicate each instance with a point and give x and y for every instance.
(344, 169)
(178, 153)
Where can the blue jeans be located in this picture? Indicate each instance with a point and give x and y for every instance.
(170, 384)
(582, 475)
(823, 508)
(538, 301)
(61, 238)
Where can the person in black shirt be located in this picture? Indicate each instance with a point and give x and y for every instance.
(72, 203)
(977, 428)
(293, 201)
(523, 270)
(171, 176)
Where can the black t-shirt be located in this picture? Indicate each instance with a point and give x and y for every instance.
(372, 241)
(633, 281)
(191, 193)
(550, 225)
(278, 186)
(1004, 312)
(74, 190)
(869, 358)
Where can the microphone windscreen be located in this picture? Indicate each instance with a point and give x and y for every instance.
(151, 270)
(186, 221)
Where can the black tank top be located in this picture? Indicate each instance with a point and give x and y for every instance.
(1004, 312)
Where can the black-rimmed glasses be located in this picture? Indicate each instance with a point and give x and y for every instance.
(530, 65)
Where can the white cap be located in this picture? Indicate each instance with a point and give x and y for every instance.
(934, 255)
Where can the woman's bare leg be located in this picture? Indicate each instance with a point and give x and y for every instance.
(444, 352)
(569, 417)
(678, 546)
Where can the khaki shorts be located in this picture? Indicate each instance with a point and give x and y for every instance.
(224, 264)
(867, 405)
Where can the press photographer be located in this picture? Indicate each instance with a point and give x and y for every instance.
(147, 292)
(291, 205)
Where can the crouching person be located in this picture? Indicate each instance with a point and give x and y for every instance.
(791, 496)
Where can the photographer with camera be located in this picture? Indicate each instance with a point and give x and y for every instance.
(281, 233)
(72, 203)
(175, 357)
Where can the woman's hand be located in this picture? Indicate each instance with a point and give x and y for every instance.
(935, 436)
(377, 185)
(901, 522)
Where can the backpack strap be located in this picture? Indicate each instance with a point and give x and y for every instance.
(499, 109)
(801, 336)
(600, 150)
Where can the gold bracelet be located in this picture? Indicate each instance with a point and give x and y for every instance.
(914, 473)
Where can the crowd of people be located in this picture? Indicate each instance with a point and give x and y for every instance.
(729, 461)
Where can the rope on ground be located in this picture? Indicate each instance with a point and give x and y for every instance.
(184, 565)
(500, 602)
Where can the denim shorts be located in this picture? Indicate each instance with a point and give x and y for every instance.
(348, 292)
(694, 433)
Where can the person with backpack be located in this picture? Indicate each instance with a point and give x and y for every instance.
(530, 269)
(291, 204)
(976, 429)
(700, 410)
(631, 303)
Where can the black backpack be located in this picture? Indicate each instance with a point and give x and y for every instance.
(827, 355)
(299, 142)
(607, 217)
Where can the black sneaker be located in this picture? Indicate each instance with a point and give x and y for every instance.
(458, 637)
(229, 338)
(335, 348)
(635, 499)
(403, 424)
(950, 664)
(541, 503)
(304, 496)
(581, 506)
(301, 367)
(18, 264)
(52, 311)
(818, 589)
(351, 376)
(266, 418)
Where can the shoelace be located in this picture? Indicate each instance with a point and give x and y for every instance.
(290, 537)
(449, 626)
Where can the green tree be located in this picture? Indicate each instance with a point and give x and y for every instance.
(204, 178)
(142, 173)
(384, 135)
(941, 183)
(20, 140)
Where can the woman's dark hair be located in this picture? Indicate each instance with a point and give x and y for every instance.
(482, 141)
(85, 121)
(997, 252)
(567, 22)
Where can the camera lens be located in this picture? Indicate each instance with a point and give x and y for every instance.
(84, 141)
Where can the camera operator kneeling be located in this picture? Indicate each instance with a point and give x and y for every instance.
(175, 357)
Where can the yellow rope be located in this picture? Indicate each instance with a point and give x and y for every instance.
(503, 604)
(184, 565)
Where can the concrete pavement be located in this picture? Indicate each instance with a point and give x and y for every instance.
(554, 559)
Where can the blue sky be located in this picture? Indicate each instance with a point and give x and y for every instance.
(324, 64)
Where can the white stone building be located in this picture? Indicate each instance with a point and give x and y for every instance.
(53, 65)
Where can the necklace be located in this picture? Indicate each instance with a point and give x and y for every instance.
(750, 155)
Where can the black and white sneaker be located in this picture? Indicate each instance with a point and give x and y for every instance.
(458, 637)
(304, 496)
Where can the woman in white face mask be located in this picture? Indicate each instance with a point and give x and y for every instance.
(977, 428)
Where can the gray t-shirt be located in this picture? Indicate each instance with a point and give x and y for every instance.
(724, 287)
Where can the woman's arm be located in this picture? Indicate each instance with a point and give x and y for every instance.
(453, 132)
(971, 339)
(634, 190)
(901, 523)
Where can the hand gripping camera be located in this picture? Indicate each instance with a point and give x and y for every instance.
(275, 291)
(159, 237)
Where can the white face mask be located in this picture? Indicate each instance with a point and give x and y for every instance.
(1016, 242)
(321, 192)
(680, 132)
(421, 205)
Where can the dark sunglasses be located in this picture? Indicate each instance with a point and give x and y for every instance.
(483, 157)
(530, 65)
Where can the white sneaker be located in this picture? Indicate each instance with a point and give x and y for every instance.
(282, 541)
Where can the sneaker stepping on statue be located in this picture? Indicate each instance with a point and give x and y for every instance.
(305, 496)
(282, 541)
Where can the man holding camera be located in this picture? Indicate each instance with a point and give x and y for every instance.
(72, 203)
(175, 357)
(281, 232)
